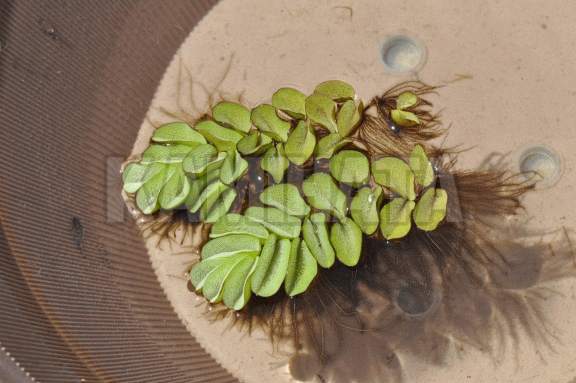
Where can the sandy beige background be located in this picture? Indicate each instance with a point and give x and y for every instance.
(508, 71)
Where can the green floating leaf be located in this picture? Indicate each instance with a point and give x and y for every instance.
(237, 287)
(323, 194)
(230, 245)
(329, 144)
(302, 268)
(431, 209)
(217, 204)
(254, 143)
(233, 167)
(421, 166)
(396, 175)
(214, 282)
(322, 110)
(404, 118)
(165, 154)
(350, 167)
(178, 133)
(200, 271)
(238, 224)
(365, 207)
(210, 192)
(275, 220)
(346, 237)
(275, 162)
(349, 117)
(202, 160)
(265, 118)
(272, 266)
(287, 198)
(175, 190)
(395, 218)
(222, 138)
(291, 102)
(315, 233)
(338, 91)
(135, 175)
(147, 196)
(406, 100)
(301, 143)
(192, 201)
(233, 115)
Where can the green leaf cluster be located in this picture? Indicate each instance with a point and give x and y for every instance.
(401, 178)
(291, 232)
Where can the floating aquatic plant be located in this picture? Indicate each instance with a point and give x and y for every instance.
(295, 229)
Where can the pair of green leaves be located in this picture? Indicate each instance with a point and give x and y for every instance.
(399, 177)
(401, 116)
(332, 106)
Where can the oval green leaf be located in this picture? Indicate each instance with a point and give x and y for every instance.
(365, 207)
(265, 118)
(291, 102)
(349, 117)
(337, 90)
(254, 143)
(329, 144)
(214, 282)
(404, 118)
(230, 245)
(233, 167)
(406, 100)
(350, 167)
(165, 154)
(275, 220)
(217, 204)
(323, 194)
(272, 266)
(287, 198)
(135, 175)
(175, 191)
(431, 209)
(346, 237)
(237, 287)
(395, 218)
(233, 115)
(202, 159)
(222, 138)
(275, 162)
(238, 224)
(300, 144)
(178, 133)
(315, 233)
(202, 269)
(210, 192)
(421, 166)
(322, 110)
(198, 187)
(302, 268)
(147, 196)
(396, 175)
